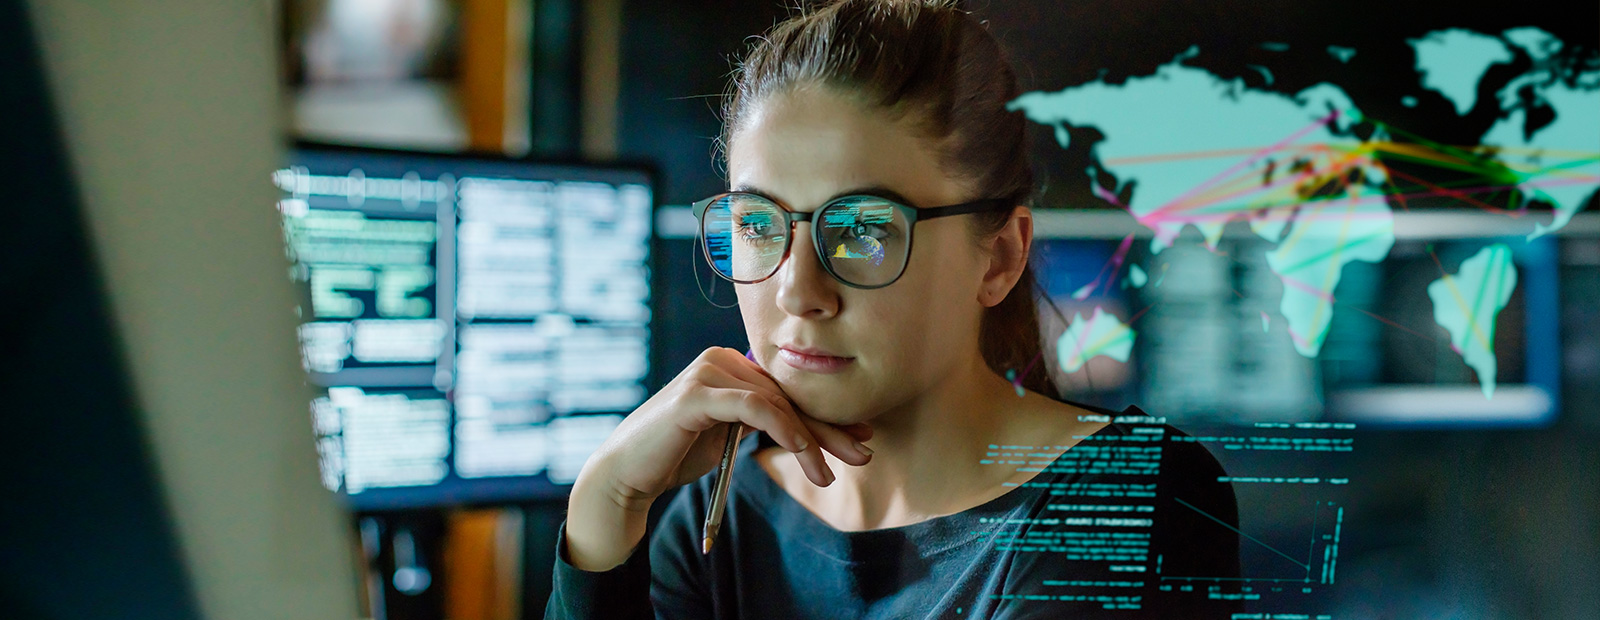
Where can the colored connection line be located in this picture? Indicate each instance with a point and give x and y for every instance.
(1323, 173)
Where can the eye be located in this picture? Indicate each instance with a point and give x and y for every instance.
(754, 227)
(875, 231)
(749, 228)
(871, 221)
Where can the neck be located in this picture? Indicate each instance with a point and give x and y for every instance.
(926, 453)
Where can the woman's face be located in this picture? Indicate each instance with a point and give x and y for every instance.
(804, 148)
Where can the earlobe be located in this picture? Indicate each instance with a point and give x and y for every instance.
(991, 298)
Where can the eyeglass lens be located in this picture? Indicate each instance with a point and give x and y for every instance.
(865, 240)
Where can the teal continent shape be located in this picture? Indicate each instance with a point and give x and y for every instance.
(1467, 303)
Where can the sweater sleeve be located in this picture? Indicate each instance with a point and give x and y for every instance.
(664, 579)
(622, 592)
(680, 574)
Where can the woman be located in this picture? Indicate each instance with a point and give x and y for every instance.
(885, 482)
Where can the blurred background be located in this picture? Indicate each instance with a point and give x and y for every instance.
(323, 303)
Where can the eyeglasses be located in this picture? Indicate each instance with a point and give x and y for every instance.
(862, 241)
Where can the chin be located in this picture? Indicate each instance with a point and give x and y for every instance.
(831, 409)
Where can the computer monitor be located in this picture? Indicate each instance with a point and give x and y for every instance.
(479, 324)
(1202, 335)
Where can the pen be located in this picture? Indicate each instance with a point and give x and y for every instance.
(719, 493)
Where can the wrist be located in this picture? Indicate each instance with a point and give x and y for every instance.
(604, 526)
(597, 482)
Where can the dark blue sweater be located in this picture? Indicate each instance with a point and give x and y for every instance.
(1088, 537)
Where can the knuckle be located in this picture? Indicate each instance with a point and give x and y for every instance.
(702, 374)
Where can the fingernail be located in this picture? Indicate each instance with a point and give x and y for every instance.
(829, 474)
(862, 448)
(801, 442)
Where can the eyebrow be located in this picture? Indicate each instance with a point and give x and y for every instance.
(871, 190)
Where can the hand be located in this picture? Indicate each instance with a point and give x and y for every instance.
(665, 443)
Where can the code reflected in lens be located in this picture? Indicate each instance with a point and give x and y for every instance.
(865, 240)
(745, 237)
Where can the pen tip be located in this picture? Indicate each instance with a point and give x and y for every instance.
(705, 546)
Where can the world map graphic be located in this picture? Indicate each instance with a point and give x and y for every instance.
(1310, 172)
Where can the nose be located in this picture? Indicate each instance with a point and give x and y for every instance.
(805, 289)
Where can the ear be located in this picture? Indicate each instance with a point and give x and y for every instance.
(1008, 256)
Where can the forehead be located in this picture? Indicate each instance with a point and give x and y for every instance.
(806, 146)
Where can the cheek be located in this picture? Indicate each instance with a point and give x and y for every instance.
(759, 309)
(943, 280)
(950, 312)
(927, 316)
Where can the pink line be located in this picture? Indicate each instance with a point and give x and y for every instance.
(1116, 260)
(1306, 288)
(1252, 159)
(1337, 168)
(1314, 207)
(1114, 264)
(1029, 368)
(1104, 194)
(1449, 193)
(1454, 193)
(1474, 190)
(1083, 336)
(1299, 339)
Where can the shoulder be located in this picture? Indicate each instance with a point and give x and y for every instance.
(1184, 454)
(1192, 487)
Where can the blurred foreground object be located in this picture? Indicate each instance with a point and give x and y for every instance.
(175, 391)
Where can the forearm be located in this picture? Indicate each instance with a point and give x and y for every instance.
(603, 528)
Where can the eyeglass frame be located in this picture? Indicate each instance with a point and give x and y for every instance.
(912, 215)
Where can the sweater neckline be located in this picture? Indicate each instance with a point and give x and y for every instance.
(791, 519)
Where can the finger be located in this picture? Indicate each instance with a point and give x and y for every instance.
(861, 431)
(837, 441)
(842, 444)
(753, 409)
(746, 363)
(736, 371)
(751, 372)
(753, 376)
(764, 411)
(815, 465)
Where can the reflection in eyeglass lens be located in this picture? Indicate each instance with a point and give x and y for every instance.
(745, 237)
(864, 240)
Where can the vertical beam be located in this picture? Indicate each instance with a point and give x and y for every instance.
(484, 35)
(602, 70)
(518, 79)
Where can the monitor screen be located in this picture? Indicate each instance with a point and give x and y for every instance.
(479, 325)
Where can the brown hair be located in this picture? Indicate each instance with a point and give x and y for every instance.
(929, 62)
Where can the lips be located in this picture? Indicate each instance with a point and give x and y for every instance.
(812, 359)
(809, 351)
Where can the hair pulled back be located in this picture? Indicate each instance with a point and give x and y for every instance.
(930, 63)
